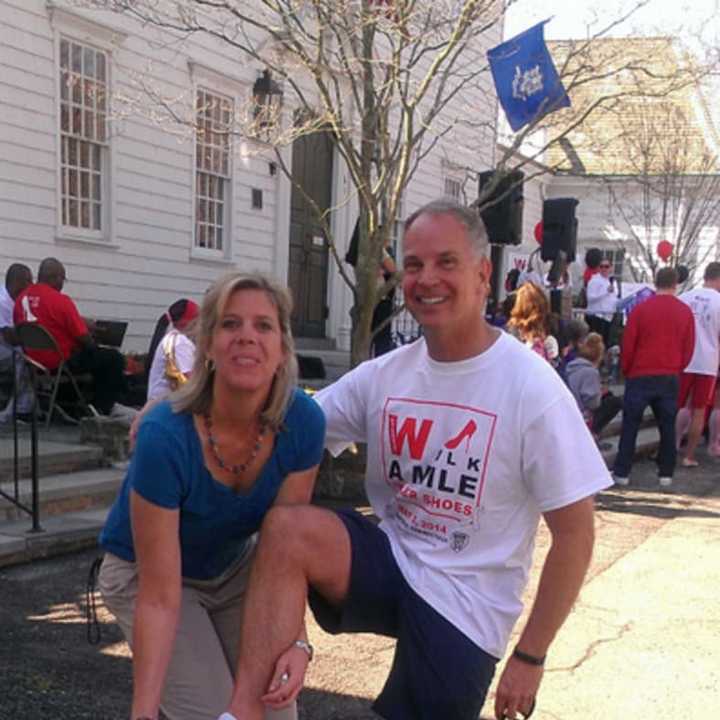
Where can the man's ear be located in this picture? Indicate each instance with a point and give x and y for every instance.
(485, 271)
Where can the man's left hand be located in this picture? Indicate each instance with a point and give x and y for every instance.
(287, 679)
(517, 689)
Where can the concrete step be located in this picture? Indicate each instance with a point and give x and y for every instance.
(63, 493)
(613, 428)
(648, 440)
(303, 344)
(60, 534)
(54, 457)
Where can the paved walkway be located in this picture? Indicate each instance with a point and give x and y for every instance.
(642, 641)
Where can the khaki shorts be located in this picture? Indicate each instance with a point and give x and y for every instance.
(199, 678)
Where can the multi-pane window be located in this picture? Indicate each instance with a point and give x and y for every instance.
(212, 176)
(83, 134)
(453, 188)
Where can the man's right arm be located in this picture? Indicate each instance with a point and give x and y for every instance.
(595, 290)
(344, 404)
(76, 326)
(688, 341)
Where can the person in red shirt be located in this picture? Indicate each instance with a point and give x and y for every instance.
(657, 344)
(45, 303)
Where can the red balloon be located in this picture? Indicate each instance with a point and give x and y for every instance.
(664, 250)
(539, 232)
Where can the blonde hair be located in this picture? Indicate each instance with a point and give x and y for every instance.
(195, 395)
(531, 312)
(592, 348)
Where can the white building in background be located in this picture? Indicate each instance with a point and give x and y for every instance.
(142, 211)
(646, 167)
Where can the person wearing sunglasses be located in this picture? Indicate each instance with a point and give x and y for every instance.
(601, 301)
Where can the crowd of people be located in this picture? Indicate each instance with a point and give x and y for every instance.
(669, 354)
(213, 550)
(169, 359)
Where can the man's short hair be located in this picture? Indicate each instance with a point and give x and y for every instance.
(469, 218)
(49, 269)
(16, 273)
(712, 271)
(666, 278)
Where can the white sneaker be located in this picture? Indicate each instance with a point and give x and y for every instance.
(621, 480)
(122, 412)
(665, 481)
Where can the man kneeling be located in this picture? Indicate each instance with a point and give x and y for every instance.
(471, 437)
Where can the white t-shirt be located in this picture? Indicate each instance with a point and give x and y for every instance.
(705, 305)
(6, 320)
(158, 384)
(462, 458)
(599, 301)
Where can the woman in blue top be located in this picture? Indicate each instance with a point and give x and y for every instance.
(209, 462)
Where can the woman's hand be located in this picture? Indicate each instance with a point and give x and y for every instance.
(287, 679)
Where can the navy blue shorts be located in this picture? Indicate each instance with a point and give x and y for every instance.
(437, 672)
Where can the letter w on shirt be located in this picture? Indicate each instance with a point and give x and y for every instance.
(416, 440)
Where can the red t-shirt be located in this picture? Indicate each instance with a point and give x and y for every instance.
(659, 338)
(57, 314)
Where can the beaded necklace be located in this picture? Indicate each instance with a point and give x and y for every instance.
(236, 470)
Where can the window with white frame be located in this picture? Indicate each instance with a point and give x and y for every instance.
(453, 188)
(83, 135)
(213, 171)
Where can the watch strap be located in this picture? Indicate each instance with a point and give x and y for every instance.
(307, 647)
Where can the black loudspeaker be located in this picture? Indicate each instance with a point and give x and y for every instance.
(503, 219)
(559, 228)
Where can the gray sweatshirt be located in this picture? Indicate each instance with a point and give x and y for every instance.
(583, 379)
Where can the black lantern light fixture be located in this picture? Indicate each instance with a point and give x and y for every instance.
(267, 96)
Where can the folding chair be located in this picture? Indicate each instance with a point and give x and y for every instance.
(46, 382)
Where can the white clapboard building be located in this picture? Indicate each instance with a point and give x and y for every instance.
(141, 210)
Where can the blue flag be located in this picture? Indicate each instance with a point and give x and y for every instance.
(527, 83)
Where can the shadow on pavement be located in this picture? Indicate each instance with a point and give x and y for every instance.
(47, 667)
(666, 507)
(49, 670)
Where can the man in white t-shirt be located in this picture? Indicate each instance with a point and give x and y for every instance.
(471, 437)
(17, 278)
(697, 383)
(601, 301)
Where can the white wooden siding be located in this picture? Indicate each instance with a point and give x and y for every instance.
(146, 264)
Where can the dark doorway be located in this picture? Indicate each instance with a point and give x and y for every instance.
(308, 261)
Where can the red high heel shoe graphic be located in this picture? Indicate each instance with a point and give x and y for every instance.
(465, 434)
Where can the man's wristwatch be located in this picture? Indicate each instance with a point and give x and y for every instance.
(307, 647)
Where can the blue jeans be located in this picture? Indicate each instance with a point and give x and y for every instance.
(660, 392)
